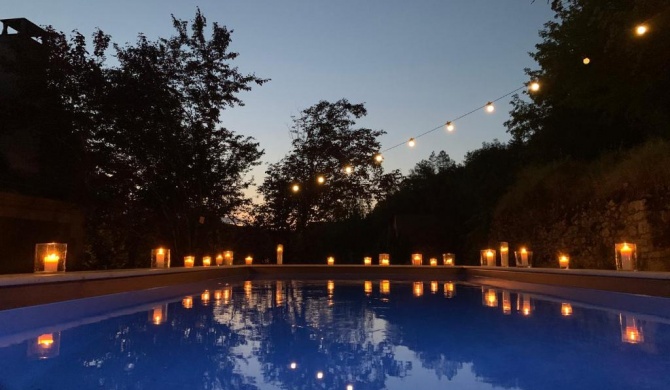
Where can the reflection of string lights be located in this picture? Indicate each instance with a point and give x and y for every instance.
(293, 365)
(319, 375)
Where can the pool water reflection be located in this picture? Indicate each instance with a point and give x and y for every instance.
(348, 335)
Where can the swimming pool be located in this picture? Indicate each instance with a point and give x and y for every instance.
(375, 334)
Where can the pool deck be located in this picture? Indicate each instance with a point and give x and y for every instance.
(23, 290)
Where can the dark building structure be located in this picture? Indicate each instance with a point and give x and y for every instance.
(37, 175)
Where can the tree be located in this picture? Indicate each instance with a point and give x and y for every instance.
(159, 162)
(585, 109)
(332, 163)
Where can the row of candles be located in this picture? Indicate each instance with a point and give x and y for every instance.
(50, 257)
(625, 257)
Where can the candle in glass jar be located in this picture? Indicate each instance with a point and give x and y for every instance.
(160, 258)
(51, 262)
(626, 257)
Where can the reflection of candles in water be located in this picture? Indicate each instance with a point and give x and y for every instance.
(160, 258)
(433, 261)
(385, 287)
(279, 293)
(206, 261)
(506, 303)
(248, 260)
(319, 375)
(523, 304)
(158, 315)
(434, 287)
(189, 261)
(205, 297)
(566, 309)
(219, 260)
(330, 260)
(417, 259)
(631, 330)
(449, 290)
(564, 261)
(51, 262)
(187, 302)
(490, 298)
(504, 254)
(247, 289)
(331, 287)
(45, 346)
(46, 340)
(418, 289)
(293, 365)
(384, 259)
(367, 287)
(626, 257)
(218, 295)
(367, 260)
(227, 294)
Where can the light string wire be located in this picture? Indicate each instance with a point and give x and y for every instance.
(455, 119)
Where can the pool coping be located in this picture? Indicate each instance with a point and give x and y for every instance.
(32, 289)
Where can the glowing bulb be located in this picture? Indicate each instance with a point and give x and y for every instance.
(489, 107)
(350, 387)
(411, 143)
(379, 158)
(641, 29)
(319, 375)
(449, 126)
(348, 169)
(586, 60)
(293, 365)
(295, 188)
(534, 86)
(320, 179)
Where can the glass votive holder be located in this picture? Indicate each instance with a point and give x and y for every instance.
(50, 257)
(504, 254)
(631, 329)
(563, 261)
(487, 257)
(384, 259)
(449, 259)
(249, 260)
(432, 261)
(330, 260)
(228, 257)
(367, 260)
(523, 257)
(206, 261)
(417, 259)
(625, 256)
(160, 258)
(219, 260)
(189, 261)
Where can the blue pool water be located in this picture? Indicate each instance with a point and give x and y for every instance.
(337, 335)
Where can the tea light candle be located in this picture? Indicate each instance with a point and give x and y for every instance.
(367, 260)
(448, 259)
(417, 259)
(248, 260)
(564, 261)
(51, 262)
(433, 261)
(160, 258)
(384, 259)
(189, 261)
(330, 260)
(228, 257)
(219, 260)
(206, 261)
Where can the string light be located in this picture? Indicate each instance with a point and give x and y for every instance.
(489, 107)
(641, 29)
(295, 188)
(348, 169)
(320, 179)
(379, 158)
(586, 60)
(534, 86)
(449, 126)
(411, 143)
(319, 375)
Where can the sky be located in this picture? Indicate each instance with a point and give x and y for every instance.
(414, 63)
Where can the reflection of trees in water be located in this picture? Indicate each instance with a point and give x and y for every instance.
(327, 332)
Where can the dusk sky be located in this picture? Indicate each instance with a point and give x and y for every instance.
(415, 64)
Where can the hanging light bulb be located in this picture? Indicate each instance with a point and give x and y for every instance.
(411, 143)
(534, 86)
(379, 158)
(295, 188)
(320, 179)
(449, 126)
(641, 29)
(348, 169)
(489, 107)
(586, 60)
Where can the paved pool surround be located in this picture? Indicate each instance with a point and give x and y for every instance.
(24, 290)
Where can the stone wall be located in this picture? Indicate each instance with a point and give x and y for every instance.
(588, 233)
